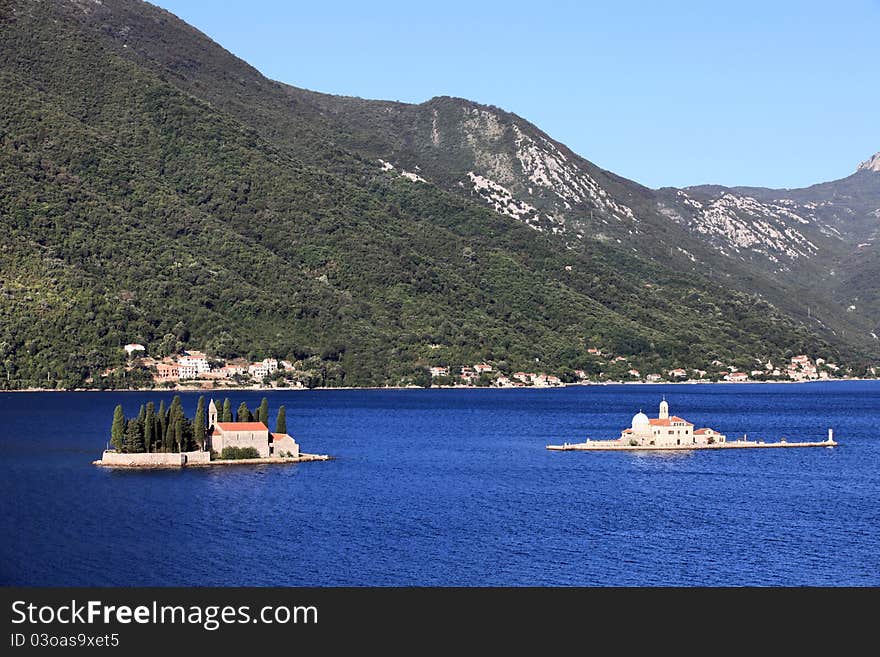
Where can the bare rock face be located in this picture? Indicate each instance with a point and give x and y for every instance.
(871, 164)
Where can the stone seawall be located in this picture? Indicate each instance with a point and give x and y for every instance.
(113, 459)
(153, 459)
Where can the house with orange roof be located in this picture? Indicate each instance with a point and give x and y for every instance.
(283, 445)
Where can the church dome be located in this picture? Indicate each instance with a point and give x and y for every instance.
(640, 420)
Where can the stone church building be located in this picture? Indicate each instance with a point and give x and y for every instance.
(248, 434)
(667, 430)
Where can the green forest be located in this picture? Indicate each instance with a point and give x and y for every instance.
(135, 211)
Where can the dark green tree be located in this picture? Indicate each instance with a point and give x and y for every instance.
(263, 412)
(150, 427)
(162, 427)
(117, 430)
(281, 422)
(226, 414)
(243, 414)
(422, 377)
(176, 420)
(176, 407)
(199, 424)
(134, 439)
(175, 423)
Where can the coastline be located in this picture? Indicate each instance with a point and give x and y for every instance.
(177, 389)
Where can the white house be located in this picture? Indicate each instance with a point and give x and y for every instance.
(258, 371)
(187, 370)
(195, 359)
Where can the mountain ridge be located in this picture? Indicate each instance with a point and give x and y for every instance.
(179, 198)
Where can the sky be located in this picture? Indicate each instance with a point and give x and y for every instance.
(772, 93)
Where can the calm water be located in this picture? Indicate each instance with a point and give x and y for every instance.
(450, 487)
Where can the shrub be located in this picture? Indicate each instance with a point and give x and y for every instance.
(235, 453)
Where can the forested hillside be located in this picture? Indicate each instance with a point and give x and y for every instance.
(134, 209)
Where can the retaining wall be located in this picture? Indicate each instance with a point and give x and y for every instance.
(154, 460)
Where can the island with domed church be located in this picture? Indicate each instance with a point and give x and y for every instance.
(166, 438)
(672, 433)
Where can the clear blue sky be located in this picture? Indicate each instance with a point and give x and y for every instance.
(774, 93)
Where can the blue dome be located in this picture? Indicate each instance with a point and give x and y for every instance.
(640, 420)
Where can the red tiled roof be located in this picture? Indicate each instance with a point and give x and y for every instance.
(667, 422)
(700, 432)
(280, 436)
(242, 426)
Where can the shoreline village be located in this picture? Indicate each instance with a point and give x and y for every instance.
(672, 433)
(166, 438)
(194, 370)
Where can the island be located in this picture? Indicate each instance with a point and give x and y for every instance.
(166, 438)
(672, 433)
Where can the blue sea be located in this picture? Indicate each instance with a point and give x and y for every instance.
(454, 487)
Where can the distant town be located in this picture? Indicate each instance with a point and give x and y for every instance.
(198, 370)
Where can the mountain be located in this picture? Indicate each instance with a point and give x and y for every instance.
(154, 188)
(794, 248)
(871, 164)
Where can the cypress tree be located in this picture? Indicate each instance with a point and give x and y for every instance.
(180, 433)
(134, 440)
(281, 422)
(175, 424)
(199, 424)
(177, 433)
(162, 426)
(226, 414)
(176, 407)
(150, 427)
(263, 412)
(117, 431)
(243, 414)
(142, 416)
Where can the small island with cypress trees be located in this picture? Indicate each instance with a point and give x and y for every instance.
(166, 437)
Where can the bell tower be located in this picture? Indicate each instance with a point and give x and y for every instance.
(212, 414)
(664, 409)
